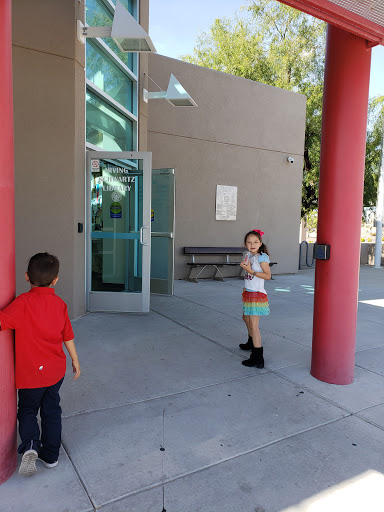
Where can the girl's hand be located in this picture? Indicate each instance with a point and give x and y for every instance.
(246, 266)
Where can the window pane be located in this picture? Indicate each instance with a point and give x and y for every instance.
(108, 77)
(98, 15)
(116, 209)
(112, 270)
(106, 127)
(128, 4)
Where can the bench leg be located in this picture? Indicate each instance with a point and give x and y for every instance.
(194, 279)
(189, 278)
(216, 277)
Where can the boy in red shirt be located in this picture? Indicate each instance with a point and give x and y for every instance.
(42, 325)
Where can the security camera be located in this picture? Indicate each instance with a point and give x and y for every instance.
(290, 160)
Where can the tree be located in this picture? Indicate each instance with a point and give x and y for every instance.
(280, 46)
(373, 154)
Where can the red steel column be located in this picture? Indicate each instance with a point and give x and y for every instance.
(7, 248)
(345, 106)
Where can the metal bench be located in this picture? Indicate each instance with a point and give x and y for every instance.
(226, 252)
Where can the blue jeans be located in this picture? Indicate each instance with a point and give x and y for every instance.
(48, 401)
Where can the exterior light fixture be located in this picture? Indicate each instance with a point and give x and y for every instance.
(176, 95)
(127, 33)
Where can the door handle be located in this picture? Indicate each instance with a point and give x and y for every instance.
(142, 235)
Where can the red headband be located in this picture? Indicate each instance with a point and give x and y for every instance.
(261, 233)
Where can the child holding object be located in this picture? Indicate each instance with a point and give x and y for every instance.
(255, 300)
(41, 325)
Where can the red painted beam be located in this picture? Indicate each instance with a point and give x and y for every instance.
(7, 253)
(341, 18)
(343, 139)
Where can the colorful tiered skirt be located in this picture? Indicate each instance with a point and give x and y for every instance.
(255, 303)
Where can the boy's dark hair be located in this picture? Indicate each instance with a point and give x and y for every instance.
(43, 268)
(263, 248)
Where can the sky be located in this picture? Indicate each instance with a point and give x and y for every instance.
(175, 24)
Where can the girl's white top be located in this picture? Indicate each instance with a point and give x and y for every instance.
(253, 283)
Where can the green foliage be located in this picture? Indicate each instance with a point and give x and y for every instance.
(311, 219)
(373, 154)
(280, 46)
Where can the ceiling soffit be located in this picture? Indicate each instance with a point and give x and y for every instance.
(364, 18)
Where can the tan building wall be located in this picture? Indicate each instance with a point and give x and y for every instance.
(49, 113)
(367, 253)
(240, 135)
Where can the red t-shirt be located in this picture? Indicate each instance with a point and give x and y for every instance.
(41, 324)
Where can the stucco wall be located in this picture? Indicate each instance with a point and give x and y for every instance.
(367, 253)
(49, 83)
(240, 135)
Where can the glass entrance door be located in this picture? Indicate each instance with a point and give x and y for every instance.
(162, 230)
(119, 231)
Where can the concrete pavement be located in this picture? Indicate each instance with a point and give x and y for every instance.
(165, 416)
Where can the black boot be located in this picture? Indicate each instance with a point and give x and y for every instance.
(256, 358)
(248, 345)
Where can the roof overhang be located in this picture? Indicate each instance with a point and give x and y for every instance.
(364, 18)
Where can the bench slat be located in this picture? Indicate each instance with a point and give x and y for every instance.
(218, 264)
(221, 263)
(214, 250)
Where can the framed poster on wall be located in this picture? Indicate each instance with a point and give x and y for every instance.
(226, 202)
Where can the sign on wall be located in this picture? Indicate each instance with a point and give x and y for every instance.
(226, 202)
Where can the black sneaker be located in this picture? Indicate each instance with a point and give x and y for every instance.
(48, 464)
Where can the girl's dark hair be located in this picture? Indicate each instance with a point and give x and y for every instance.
(263, 247)
(43, 268)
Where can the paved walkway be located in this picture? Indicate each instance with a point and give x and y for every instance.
(165, 416)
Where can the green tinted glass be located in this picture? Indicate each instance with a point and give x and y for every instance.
(116, 216)
(162, 227)
(97, 14)
(128, 4)
(106, 127)
(108, 77)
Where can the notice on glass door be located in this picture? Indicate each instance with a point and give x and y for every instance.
(95, 165)
(226, 202)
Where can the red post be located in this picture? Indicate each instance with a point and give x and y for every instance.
(345, 106)
(7, 251)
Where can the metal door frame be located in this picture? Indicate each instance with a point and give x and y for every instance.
(129, 302)
(169, 234)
